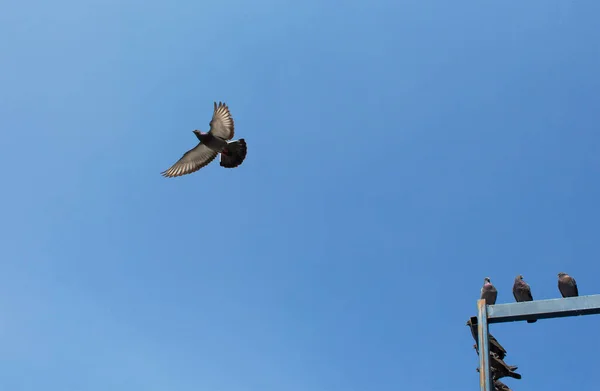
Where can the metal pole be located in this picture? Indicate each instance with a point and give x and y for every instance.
(485, 380)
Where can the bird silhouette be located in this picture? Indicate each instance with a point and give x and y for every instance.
(211, 144)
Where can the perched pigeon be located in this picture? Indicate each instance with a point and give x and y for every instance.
(522, 292)
(501, 369)
(567, 285)
(499, 386)
(488, 292)
(494, 345)
(211, 144)
(494, 348)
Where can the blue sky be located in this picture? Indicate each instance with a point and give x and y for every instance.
(399, 152)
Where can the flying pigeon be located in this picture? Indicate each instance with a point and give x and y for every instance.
(488, 292)
(211, 144)
(567, 285)
(522, 292)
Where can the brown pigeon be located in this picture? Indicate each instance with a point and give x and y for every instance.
(567, 285)
(211, 144)
(522, 292)
(488, 292)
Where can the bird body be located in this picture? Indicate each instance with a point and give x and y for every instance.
(499, 386)
(214, 142)
(495, 346)
(488, 292)
(567, 285)
(522, 292)
(501, 369)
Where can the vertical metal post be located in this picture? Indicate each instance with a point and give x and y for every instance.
(485, 380)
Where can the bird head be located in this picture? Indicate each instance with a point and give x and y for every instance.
(519, 277)
(487, 280)
(199, 134)
(561, 274)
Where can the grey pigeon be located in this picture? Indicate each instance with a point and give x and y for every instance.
(522, 292)
(211, 144)
(488, 292)
(567, 285)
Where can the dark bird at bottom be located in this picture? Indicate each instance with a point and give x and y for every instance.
(567, 285)
(499, 386)
(522, 292)
(214, 142)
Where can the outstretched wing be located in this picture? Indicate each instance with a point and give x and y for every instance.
(191, 161)
(221, 124)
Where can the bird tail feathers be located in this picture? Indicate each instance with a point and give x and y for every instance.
(234, 154)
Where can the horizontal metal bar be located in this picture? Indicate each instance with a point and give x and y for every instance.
(544, 309)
